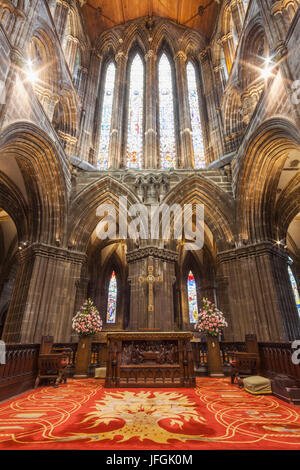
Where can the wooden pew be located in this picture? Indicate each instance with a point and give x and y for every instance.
(245, 364)
(52, 362)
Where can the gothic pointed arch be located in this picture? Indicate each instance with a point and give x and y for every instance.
(196, 124)
(217, 206)
(135, 109)
(269, 150)
(167, 110)
(47, 190)
(105, 110)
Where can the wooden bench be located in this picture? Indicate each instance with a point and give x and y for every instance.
(52, 362)
(245, 364)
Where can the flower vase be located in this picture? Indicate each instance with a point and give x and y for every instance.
(214, 362)
(83, 357)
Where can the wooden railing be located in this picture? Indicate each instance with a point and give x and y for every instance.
(20, 370)
(200, 352)
(98, 356)
(276, 358)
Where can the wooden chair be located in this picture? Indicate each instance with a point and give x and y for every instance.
(245, 364)
(52, 362)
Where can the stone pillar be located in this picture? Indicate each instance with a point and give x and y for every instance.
(185, 128)
(87, 138)
(151, 143)
(18, 21)
(276, 33)
(44, 294)
(228, 46)
(223, 304)
(80, 81)
(220, 79)
(213, 131)
(238, 15)
(162, 316)
(260, 298)
(61, 17)
(70, 52)
(116, 159)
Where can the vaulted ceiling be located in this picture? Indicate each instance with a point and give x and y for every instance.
(200, 15)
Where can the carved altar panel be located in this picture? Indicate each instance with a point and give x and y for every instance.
(149, 360)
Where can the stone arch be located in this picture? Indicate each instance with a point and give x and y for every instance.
(135, 36)
(166, 48)
(42, 49)
(134, 50)
(45, 175)
(99, 275)
(108, 41)
(163, 36)
(252, 51)
(14, 203)
(83, 220)
(262, 163)
(218, 206)
(233, 117)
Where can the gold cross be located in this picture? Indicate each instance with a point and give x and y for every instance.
(150, 279)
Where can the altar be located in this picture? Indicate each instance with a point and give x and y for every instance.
(149, 359)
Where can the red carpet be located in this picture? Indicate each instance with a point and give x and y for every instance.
(84, 415)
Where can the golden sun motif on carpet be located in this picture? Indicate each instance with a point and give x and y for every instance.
(82, 414)
(141, 414)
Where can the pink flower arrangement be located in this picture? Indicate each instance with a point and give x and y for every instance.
(210, 319)
(87, 321)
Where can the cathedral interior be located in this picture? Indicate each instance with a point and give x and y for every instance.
(159, 102)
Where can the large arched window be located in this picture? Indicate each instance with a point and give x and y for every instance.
(166, 115)
(135, 114)
(295, 288)
(112, 299)
(107, 107)
(192, 298)
(199, 158)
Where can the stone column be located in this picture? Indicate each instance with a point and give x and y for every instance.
(259, 291)
(162, 316)
(228, 46)
(151, 142)
(81, 81)
(44, 294)
(70, 52)
(19, 19)
(184, 116)
(213, 130)
(276, 33)
(116, 159)
(238, 15)
(223, 304)
(86, 137)
(61, 17)
(220, 79)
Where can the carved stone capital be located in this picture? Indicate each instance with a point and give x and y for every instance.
(120, 56)
(180, 56)
(150, 55)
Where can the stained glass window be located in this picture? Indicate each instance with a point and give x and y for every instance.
(199, 157)
(106, 117)
(135, 114)
(295, 288)
(112, 299)
(192, 298)
(166, 115)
